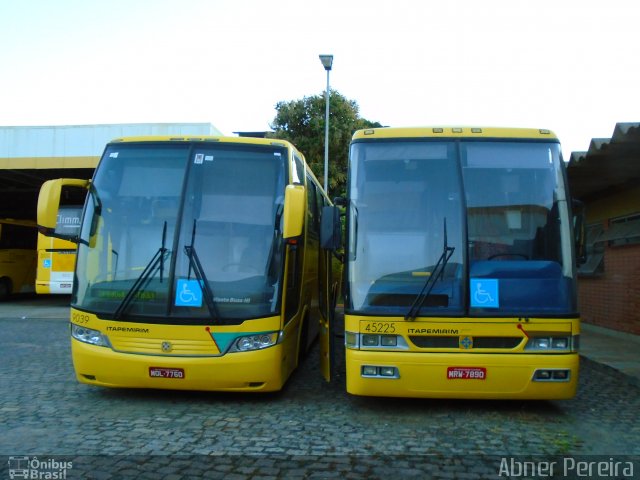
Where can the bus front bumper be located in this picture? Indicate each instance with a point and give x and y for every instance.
(257, 371)
(434, 375)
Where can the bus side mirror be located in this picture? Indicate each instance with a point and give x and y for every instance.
(330, 231)
(51, 222)
(579, 231)
(294, 203)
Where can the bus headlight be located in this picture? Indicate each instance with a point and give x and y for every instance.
(356, 341)
(552, 344)
(254, 342)
(88, 335)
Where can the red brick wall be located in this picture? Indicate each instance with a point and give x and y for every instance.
(613, 299)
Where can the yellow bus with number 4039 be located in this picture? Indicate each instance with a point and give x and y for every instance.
(460, 266)
(198, 265)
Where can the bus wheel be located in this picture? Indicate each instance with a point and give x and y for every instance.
(5, 288)
(302, 347)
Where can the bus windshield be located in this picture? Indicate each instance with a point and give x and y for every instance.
(180, 233)
(500, 207)
(405, 200)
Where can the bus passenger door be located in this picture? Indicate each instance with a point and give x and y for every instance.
(326, 314)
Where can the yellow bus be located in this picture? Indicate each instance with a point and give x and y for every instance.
(56, 257)
(17, 256)
(198, 265)
(460, 265)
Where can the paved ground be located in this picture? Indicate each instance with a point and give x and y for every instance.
(309, 430)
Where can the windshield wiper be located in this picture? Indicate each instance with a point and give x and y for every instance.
(438, 271)
(194, 262)
(156, 263)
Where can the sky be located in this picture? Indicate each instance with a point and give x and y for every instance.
(565, 65)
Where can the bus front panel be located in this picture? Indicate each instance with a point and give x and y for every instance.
(465, 236)
(462, 358)
(141, 355)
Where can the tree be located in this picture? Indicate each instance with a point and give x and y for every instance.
(302, 122)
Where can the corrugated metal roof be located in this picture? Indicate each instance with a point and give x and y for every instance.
(610, 164)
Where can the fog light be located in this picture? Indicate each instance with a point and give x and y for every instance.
(542, 375)
(388, 340)
(388, 371)
(552, 375)
(369, 371)
(370, 340)
(560, 374)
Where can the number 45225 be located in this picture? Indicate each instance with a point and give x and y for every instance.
(380, 327)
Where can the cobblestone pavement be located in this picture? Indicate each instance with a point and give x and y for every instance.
(309, 430)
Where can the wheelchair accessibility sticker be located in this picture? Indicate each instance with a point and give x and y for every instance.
(188, 293)
(484, 293)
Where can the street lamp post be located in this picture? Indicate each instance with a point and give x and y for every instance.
(327, 61)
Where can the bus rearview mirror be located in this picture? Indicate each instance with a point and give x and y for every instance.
(294, 198)
(330, 231)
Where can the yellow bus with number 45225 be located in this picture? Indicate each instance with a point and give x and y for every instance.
(460, 267)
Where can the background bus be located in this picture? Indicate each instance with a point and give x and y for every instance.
(57, 257)
(460, 268)
(17, 256)
(198, 265)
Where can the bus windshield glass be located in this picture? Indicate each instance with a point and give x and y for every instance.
(405, 207)
(183, 233)
(518, 220)
(500, 205)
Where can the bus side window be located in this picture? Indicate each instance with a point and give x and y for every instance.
(298, 171)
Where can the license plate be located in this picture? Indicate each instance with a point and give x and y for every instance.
(466, 373)
(161, 372)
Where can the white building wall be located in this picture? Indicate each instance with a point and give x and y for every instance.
(84, 140)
